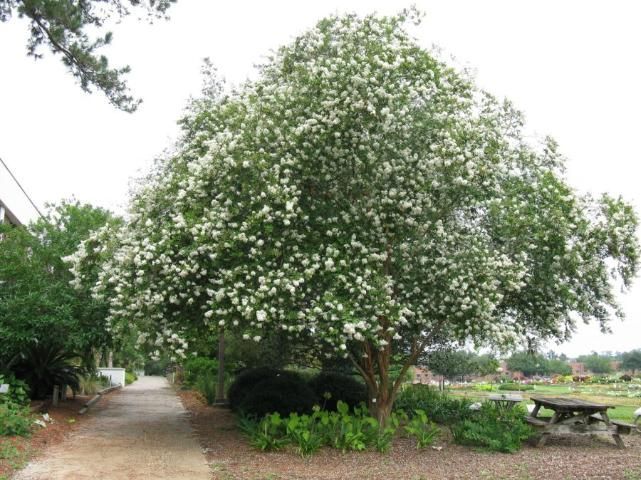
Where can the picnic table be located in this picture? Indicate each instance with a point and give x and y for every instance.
(505, 400)
(576, 417)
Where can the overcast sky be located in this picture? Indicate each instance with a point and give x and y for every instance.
(573, 67)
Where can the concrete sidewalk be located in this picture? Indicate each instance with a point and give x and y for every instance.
(143, 433)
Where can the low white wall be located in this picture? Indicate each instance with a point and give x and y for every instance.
(116, 375)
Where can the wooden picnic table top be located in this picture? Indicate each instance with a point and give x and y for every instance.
(573, 404)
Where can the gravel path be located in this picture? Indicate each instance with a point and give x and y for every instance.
(142, 433)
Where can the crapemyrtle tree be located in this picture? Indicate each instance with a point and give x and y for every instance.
(362, 192)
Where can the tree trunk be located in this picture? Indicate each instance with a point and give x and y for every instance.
(110, 359)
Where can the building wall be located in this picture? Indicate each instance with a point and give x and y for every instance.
(7, 216)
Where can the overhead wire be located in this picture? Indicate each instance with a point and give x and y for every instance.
(21, 188)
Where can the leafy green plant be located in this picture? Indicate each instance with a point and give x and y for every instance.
(18, 390)
(439, 407)
(269, 433)
(14, 419)
(484, 387)
(130, 377)
(196, 368)
(491, 428)
(516, 387)
(206, 385)
(302, 432)
(45, 365)
(90, 384)
(342, 430)
(422, 429)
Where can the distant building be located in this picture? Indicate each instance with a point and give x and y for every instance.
(7, 216)
(424, 376)
(506, 372)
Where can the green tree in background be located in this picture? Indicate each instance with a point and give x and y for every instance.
(74, 30)
(37, 302)
(452, 364)
(558, 367)
(631, 360)
(486, 364)
(527, 363)
(596, 363)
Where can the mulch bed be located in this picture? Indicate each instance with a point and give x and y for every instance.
(563, 458)
(19, 450)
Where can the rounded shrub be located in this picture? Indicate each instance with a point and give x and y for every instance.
(196, 368)
(247, 379)
(284, 394)
(330, 387)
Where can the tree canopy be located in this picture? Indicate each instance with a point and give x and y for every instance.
(631, 360)
(596, 363)
(75, 31)
(366, 194)
(535, 364)
(37, 302)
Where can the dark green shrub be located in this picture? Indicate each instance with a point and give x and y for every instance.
(439, 407)
(14, 419)
(246, 380)
(43, 366)
(516, 387)
(283, 394)
(130, 377)
(492, 428)
(18, 390)
(330, 387)
(197, 367)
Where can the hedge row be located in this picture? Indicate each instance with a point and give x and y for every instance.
(259, 391)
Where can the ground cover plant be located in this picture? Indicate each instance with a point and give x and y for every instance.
(345, 429)
(14, 419)
(362, 194)
(440, 407)
(492, 428)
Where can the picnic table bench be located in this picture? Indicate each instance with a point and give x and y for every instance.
(576, 417)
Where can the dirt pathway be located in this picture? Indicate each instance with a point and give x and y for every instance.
(143, 433)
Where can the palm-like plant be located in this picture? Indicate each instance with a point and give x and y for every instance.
(44, 365)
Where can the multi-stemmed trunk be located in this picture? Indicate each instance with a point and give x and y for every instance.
(374, 366)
